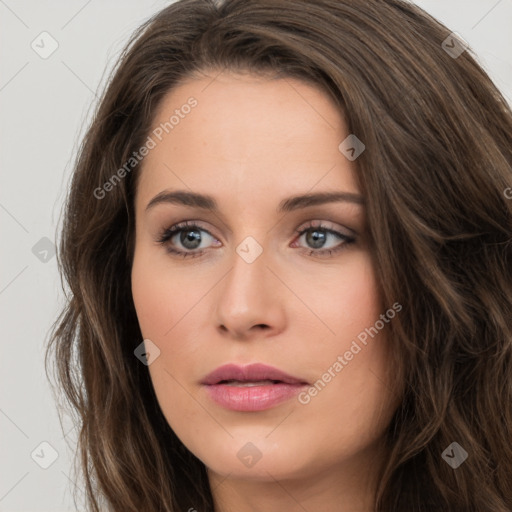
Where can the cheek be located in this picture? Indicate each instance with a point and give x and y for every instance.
(345, 299)
(355, 308)
(170, 304)
(161, 298)
(162, 301)
(352, 362)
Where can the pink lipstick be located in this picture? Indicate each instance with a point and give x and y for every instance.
(250, 388)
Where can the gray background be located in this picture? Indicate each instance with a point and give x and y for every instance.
(45, 107)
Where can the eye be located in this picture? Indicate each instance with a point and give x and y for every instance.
(187, 234)
(317, 237)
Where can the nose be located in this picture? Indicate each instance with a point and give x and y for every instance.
(250, 301)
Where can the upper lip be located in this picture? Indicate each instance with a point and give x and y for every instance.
(251, 372)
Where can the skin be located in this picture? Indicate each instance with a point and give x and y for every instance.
(251, 142)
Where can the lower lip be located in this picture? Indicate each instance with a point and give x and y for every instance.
(252, 398)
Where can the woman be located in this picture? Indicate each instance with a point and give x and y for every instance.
(287, 244)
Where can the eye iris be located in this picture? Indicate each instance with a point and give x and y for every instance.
(190, 236)
(316, 237)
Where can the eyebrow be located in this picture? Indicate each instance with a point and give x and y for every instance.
(206, 202)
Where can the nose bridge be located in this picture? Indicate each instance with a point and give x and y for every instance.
(247, 296)
(246, 282)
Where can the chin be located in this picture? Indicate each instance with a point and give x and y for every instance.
(259, 460)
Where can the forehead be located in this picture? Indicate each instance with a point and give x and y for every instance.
(245, 133)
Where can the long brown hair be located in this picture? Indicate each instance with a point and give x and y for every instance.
(435, 174)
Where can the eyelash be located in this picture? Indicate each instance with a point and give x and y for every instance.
(168, 233)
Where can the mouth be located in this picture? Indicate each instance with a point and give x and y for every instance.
(252, 373)
(249, 383)
(251, 388)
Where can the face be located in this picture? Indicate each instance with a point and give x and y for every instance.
(260, 279)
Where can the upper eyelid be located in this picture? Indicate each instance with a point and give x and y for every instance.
(303, 225)
(321, 224)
